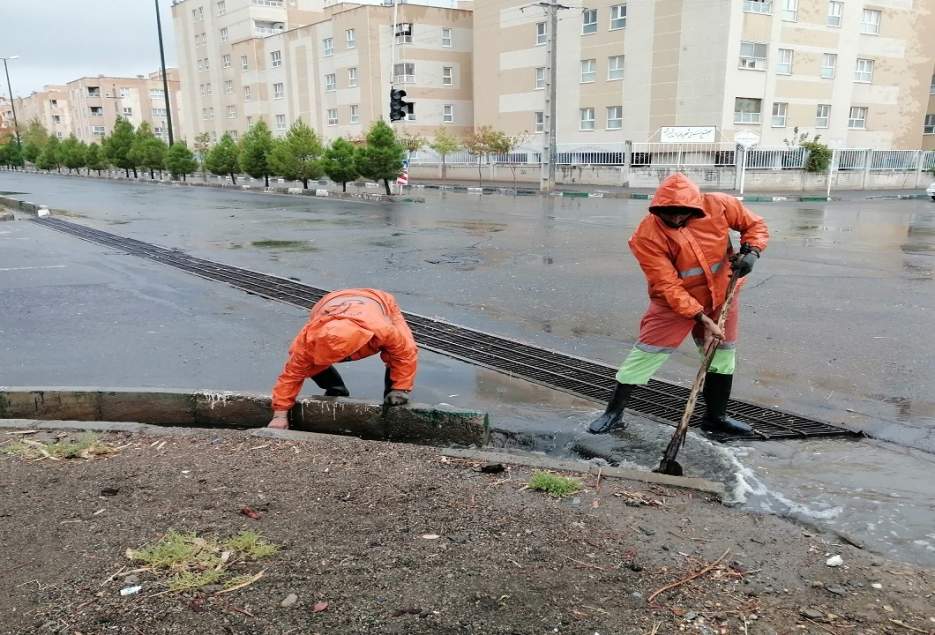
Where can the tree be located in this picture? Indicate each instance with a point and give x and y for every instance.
(118, 144)
(180, 161)
(444, 144)
(255, 148)
(202, 146)
(338, 162)
(34, 140)
(382, 157)
(224, 158)
(50, 157)
(72, 154)
(504, 144)
(482, 143)
(11, 155)
(413, 142)
(147, 151)
(819, 154)
(297, 157)
(94, 160)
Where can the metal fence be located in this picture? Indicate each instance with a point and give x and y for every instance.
(683, 154)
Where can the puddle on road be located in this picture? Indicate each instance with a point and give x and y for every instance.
(285, 245)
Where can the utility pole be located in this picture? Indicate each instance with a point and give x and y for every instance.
(547, 177)
(9, 86)
(165, 81)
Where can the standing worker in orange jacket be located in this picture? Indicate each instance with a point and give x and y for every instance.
(344, 326)
(683, 247)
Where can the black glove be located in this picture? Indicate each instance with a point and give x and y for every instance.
(743, 262)
(396, 398)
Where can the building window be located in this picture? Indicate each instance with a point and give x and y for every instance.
(201, 64)
(857, 118)
(225, 34)
(124, 93)
(541, 33)
(758, 6)
(870, 23)
(279, 90)
(276, 59)
(588, 21)
(588, 70)
(863, 72)
(127, 111)
(355, 113)
(57, 118)
(828, 62)
(54, 102)
(331, 82)
(94, 91)
(540, 121)
(411, 116)
(753, 56)
(97, 111)
(790, 10)
(587, 119)
(540, 78)
(404, 73)
(280, 122)
(835, 12)
(247, 93)
(822, 115)
(159, 112)
(332, 116)
(615, 67)
(784, 62)
(328, 46)
(226, 61)
(618, 16)
(404, 33)
(203, 90)
(209, 89)
(747, 110)
(97, 131)
(447, 77)
(221, 7)
(61, 135)
(929, 126)
(350, 38)
(206, 64)
(448, 113)
(352, 77)
(243, 63)
(228, 87)
(779, 114)
(232, 112)
(233, 134)
(932, 86)
(614, 117)
(249, 121)
(446, 37)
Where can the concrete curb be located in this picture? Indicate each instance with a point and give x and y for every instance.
(544, 462)
(415, 423)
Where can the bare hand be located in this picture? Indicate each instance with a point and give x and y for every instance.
(279, 421)
(711, 330)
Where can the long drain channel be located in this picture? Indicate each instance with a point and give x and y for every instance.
(580, 377)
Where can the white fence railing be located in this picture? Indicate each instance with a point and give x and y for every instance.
(683, 154)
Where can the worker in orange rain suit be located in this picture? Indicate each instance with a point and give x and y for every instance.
(682, 245)
(343, 326)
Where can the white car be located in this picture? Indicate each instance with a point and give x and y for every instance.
(931, 190)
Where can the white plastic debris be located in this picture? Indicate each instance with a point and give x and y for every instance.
(834, 561)
(42, 211)
(877, 585)
(130, 590)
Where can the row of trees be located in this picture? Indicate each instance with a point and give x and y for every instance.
(482, 143)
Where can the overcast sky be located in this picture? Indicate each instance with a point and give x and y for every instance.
(61, 40)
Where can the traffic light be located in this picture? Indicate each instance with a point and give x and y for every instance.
(399, 108)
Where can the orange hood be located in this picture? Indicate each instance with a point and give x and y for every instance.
(336, 340)
(678, 190)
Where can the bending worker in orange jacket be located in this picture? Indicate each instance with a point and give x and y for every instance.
(344, 326)
(682, 246)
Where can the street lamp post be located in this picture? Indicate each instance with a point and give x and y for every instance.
(165, 80)
(9, 86)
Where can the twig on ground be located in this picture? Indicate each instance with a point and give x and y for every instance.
(908, 627)
(241, 611)
(822, 627)
(594, 608)
(597, 486)
(585, 564)
(688, 537)
(243, 584)
(679, 583)
(656, 626)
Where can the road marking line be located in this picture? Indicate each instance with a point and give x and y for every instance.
(25, 268)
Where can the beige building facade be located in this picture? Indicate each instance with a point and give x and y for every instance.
(858, 73)
(330, 66)
(49, 107)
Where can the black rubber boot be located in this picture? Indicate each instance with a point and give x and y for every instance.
(716, 394)
(387, 383)
(330, 380)
(612, 419)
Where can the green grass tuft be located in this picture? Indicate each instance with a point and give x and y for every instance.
(251, 544)
(558, 486)
(86, 447)
(189, 581)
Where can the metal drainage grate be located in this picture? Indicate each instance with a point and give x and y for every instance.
(577, 376)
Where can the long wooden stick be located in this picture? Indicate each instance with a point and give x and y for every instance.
(679, 583)
(678, 437)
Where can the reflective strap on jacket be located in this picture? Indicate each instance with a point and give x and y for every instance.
(697, 271)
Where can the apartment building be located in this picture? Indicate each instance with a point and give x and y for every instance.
(49, 107)
(330, 66)
(858, 73)
(928, 125)
(6, 119)
(94, 103)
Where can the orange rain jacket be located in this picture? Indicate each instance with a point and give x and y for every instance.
(344, 326)
(688, 267)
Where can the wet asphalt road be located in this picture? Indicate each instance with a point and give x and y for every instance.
(835, 318)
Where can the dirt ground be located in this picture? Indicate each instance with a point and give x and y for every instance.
(384, 538)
